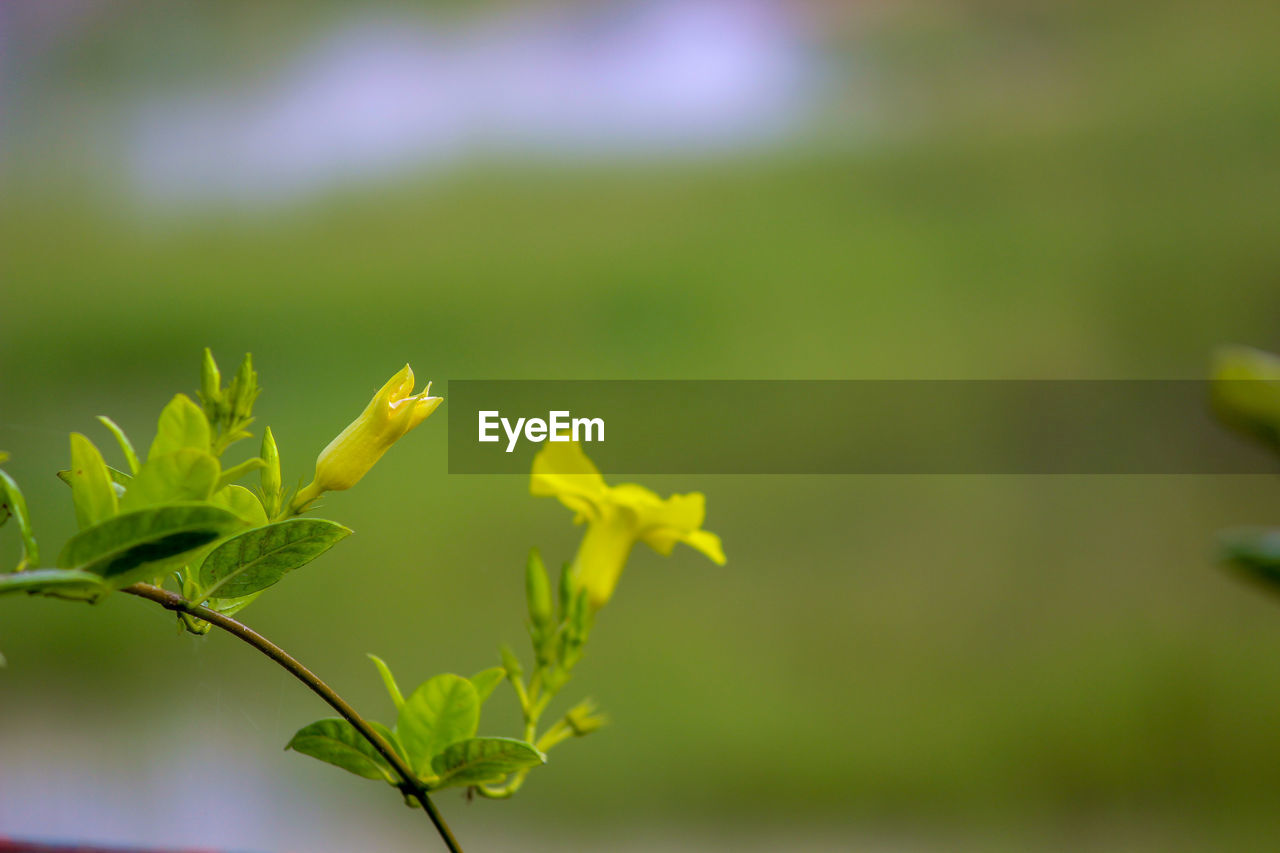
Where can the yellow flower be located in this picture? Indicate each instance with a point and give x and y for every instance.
(617, 517)
(392, 412)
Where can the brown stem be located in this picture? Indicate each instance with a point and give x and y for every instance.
(410, 785)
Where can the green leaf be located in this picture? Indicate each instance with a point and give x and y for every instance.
(487, 679)
(442, 711)
(181, 476)
(117, 476)
(126, 446)
(234, 473)
(232, 606)
(483, 759)
(144, 544)
(40, 580)
(388, 680)
(390, 737)
(182, 426)
(1255, 551)
(243, 503)
(16, 506)
(258, 558)
(337, 742)
(91, 490)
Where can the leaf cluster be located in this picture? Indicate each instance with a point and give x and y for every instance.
(179, 515)
(434, 734)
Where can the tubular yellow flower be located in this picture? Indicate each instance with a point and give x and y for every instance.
(392, 412)
(617, 517)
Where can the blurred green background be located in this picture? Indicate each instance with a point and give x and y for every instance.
(943, 190)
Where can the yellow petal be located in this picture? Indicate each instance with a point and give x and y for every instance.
(399, 386)
(708, 543)
(680, 512)
(563, 471)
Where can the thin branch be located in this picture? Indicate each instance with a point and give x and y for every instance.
(410, 785)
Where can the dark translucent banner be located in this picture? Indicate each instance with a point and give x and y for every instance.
(851, 427)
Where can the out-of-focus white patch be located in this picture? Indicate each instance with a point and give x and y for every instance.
(377, 97)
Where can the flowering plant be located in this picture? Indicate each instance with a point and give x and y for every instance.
(179, 529)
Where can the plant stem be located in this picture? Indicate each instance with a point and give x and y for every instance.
(410, 785)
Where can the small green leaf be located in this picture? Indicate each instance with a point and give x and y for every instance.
(258, 558)
(232, 606)
(40, 580)
(337, 742)
(126, 446)
(481, 760)
(117, 476)
(1255, 551)
(390, 737)
(144, 544)
(234, 473)
(487, 679)
(442, 711)
(181, 476)
(91, 491)
(243, 503)
(389, 681)
(182, 426)
(16, 506)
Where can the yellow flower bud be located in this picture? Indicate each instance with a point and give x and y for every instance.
(392, 412)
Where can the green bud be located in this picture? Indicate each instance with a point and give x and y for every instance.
(210, 386)
(583, 719)
(577, 627)
(270, 474)
(244, 390)
(568, 585)
(581, 617)
(538, 593)
(511, 663)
